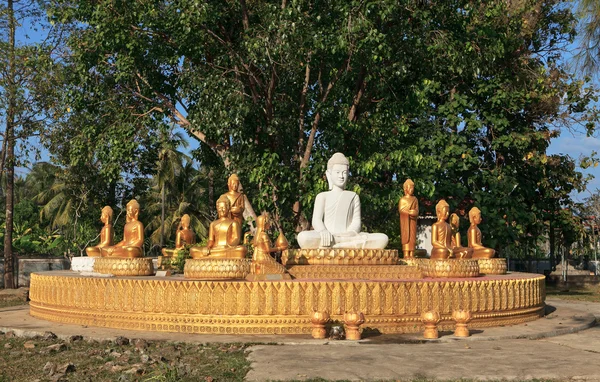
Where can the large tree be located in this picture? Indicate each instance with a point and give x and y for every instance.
(462, 96)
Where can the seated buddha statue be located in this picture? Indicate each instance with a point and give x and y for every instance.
(223, 236)
(262, 261)
(441, 235)
(185, 235)
(336, 216)
(464, 252)
(133, 235)
(106, 233)
(474, 236)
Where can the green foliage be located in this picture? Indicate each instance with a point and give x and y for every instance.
(460, 96)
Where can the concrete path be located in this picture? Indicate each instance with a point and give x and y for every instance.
(564, 345)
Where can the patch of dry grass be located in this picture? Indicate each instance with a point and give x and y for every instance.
(76, 360)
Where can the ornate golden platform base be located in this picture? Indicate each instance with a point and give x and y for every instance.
(176, 304)
(495, 266)
(353, 272)
(137, 266)
(452, 268)
(418, 262)
(339, 256)
(217, 268)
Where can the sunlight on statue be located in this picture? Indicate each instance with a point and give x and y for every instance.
(336, 217)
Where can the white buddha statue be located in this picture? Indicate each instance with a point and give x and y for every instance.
(336, 216)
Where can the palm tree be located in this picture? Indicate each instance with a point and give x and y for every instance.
(589, 52)
(168, 166)
(185, 194)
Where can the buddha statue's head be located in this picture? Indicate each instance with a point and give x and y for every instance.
(475, 215)
(133, 209)
(233, 183)
(185, 221)
(107, 214)
(442, 209)
(454, 221)
(409, 187)
(223, 207)
(337, 171)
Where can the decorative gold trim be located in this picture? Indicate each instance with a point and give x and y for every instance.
(137, 266)
(494, 266)
(216, 268)
(418, 262)
(452, 268)
(353, 272)
(339, 256)
(269, 307)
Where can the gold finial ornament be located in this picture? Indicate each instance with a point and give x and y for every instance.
(462, 318)
(106, 233)
(353, 320)
(318, 320)
(133, 236)
(408, 207)
(474, 236)
(224, 236)
(430, 319)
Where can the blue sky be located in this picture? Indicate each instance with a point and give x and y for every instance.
(574, 144)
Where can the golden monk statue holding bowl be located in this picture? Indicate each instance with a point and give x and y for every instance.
(474, 236)
(224, 235)
(185, 235)
(133, 236)
(106, 233)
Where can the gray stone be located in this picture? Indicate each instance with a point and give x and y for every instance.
(121, 341)
(49, 336)
(56, 348)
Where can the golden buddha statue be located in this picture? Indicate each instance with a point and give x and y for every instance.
(224, 235)
(408, 207)
(474, 236)
(236, 200)
(133, 236)
(185, 235)
(262, 261)
(464, 253)
(441, 235)
(106, 233)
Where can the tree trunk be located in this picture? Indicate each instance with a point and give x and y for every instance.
(10, 153)
(162, 217)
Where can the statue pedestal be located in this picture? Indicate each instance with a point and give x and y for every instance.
(495, 266)
(353, 272)
(339, 256)
(217, 268)
(83, 264)
(444, 268)
(118, 266)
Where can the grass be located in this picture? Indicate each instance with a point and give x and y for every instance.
(9, 303)
(95, 361)
(590, 294)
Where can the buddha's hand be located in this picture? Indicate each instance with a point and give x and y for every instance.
(326, 238)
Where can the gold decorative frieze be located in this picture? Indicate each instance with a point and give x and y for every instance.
(339, 256)
(137, 266)
(217, 268)
(418, 262)
(271, 307)
(452, 268)
(352, 272)
(494, 266)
